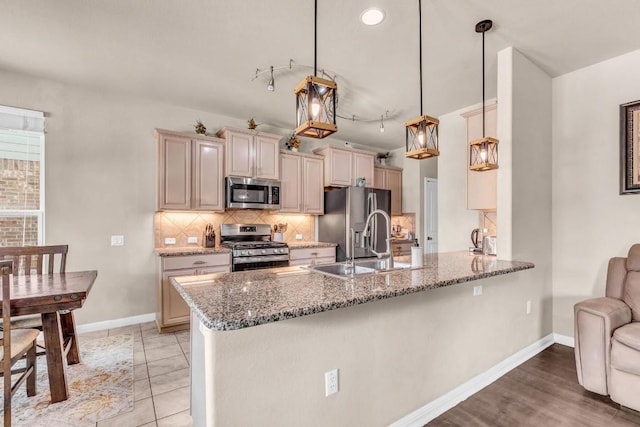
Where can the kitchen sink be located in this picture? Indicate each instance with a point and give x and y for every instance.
(361, 268)
(381, 266)
(343, 270)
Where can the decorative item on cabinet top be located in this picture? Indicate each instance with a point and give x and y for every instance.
(200, 128)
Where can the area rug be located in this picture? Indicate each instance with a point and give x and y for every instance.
(100, 387)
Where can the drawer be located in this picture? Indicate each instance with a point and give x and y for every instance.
(195, 261)
(401, 248)
(313, 261)
(306, 253)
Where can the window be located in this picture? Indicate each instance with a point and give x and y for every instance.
(21, 177)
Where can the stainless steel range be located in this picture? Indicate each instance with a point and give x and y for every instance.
(252, 247)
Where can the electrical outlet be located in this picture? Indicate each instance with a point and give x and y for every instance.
(169, 240)
(298, 236)
(330, 382)
(477, 290)
(117, 240)
(192, 239)
(528, 307)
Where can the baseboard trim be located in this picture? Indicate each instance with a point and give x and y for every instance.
(116, 323)
(564, 340)
(433, 409)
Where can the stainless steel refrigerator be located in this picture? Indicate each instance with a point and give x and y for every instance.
(346, 209)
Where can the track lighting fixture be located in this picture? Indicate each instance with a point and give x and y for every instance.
(271, 86)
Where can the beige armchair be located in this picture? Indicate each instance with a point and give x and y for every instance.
(607, 334)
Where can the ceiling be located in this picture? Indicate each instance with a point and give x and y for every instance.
(203, 54)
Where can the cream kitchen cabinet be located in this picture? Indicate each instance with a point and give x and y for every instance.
(251, 154)
(312, 256)
(342, 167)
(190, 171)
(390, 178)
(481, 186)
(301, 188)
(172, 312)
(401, 247)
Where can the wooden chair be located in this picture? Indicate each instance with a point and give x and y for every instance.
(29, 260)
(15, 345)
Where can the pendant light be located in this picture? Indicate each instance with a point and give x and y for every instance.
(421, 132)
(316, 98)
(483, 152)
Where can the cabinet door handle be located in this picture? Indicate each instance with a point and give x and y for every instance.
(199, 262)
(314, 253)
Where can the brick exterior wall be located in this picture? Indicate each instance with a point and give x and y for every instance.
(11, 231)
(13, 175)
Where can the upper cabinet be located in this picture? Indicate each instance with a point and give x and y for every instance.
(190, 171)
(482, 187)
(302, 184)
(390, 178)
(251, 154)
(342, 167)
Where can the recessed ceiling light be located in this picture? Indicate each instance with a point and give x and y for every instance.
(372, 16)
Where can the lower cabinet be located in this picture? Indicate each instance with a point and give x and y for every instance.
(401, 248)
(312, 256)
(172, 313)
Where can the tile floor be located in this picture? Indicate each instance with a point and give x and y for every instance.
(161, 375)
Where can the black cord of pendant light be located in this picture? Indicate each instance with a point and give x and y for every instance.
(315, 38)
(483, 135)
(420, 44)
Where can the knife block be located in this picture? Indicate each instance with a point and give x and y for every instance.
(209, 240)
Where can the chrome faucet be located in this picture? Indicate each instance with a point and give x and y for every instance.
(350, 263)
(367, 229)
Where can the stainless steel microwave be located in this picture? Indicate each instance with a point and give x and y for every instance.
(252, 193)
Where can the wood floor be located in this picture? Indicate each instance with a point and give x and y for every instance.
(543, 391)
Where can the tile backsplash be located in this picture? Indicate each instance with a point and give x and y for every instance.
(407, 221)
(488, 221)
(181, 225)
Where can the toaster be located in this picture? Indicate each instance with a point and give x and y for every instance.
(489, 245)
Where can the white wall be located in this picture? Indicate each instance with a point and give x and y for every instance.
(100, 179)
(524, 174)
(455, 221)
(591, 220)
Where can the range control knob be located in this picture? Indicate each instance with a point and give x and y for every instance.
(263, 251)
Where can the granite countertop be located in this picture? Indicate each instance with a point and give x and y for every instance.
(304, 245)
(191, 250)
(228, 301)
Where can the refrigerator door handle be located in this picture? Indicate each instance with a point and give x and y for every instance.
(374, 221)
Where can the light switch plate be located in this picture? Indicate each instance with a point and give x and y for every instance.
(117, 240)
(298, 236)
(192, 239)
(169, 240)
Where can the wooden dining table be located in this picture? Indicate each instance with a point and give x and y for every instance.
(54, 297)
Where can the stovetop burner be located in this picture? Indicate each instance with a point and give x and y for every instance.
(253, 244)
(252, 247)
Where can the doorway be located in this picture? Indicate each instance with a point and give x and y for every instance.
(430, 216)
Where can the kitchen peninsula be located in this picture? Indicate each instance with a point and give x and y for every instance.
(375, 329)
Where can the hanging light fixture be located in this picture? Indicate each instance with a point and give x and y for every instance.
(421, 132)
(381, 124)
(483, 152)
(316, 98)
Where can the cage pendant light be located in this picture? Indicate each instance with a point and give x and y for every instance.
(421, 132)
(483, 152)
(316, 98)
